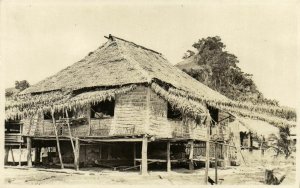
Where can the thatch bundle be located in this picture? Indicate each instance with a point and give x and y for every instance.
(270, 114)
(27, 105)
(186, 106)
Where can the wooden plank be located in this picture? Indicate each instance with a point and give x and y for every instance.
(168, 156)
(115, 140)
(144, 169)
(207, 148)
(77, 151)
(29, 145)
(57, 140)
(160, 160)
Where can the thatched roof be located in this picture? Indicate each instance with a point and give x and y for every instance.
(260, 128)
(120, 64)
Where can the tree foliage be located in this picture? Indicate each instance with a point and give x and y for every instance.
(21, 85)
(218, 69)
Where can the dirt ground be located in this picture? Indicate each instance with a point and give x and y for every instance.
(252, 172)
(230, 176)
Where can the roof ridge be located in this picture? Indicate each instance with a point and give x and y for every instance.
(135, 64)
(137, 45)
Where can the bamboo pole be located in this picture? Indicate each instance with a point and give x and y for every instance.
(144, 156)
(29, 162)
(168, 156)
(57, 140)
(207, 149)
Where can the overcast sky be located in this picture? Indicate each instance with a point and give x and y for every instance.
(39, 38)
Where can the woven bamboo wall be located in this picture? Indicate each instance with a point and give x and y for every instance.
(130, 113)
(158, 123)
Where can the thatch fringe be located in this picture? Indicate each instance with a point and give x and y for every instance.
(28, 100)
(276, 121)
(28, 106)
(186, 106)
(283, 112)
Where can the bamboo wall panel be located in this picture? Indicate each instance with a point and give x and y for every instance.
(130, 113)
(100, 127)
(158, 123)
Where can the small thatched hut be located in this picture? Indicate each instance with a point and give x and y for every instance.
(125, 104)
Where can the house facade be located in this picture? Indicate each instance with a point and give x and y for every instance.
(124, 106)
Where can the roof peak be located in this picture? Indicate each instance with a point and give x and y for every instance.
(112, 38)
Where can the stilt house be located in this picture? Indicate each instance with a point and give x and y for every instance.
(124, 105)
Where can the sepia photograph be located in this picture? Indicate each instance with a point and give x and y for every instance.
(162, 93)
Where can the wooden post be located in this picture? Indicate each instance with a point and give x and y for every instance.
(77, 151)
(216, 164)
(144, 155)
(70, 134)
(207, 148)
(37, 155)
(100, 151)
(109, 152)
(168, 156)
(57, 140)
(249, 142)
(134, 154)
(12, 155)
(29, 144)
(20, 153)
(6, 155)
(191, 155)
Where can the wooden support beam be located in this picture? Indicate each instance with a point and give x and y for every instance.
(70, 134)
(168, 156)
(191, 155)
(109, 152)
(57, 140)
(249, 142)
(216, 164)
(134, 154)
(37, 155)
(6, 156)
(12, 155)
(208, 122)
(144, 169)
(20, 153)
(29, 145)
(77, 151)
